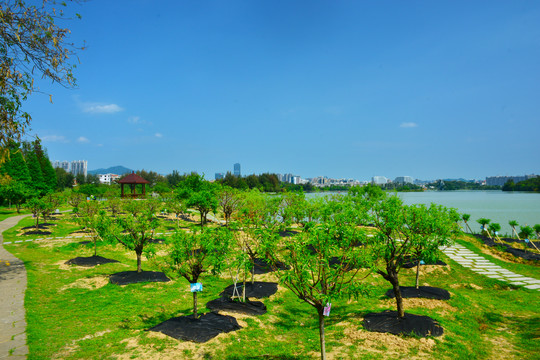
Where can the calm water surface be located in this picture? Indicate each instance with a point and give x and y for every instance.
(499, 206)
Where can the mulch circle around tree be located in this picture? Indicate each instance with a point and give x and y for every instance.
(426, 292)
(40, 226)
(258, 290)
(228, 304)
(200, 330)
(288, 233)
(412, 264)
(156, 241)
(38, 232)
(260, 266)
(90, 261)
(133, 277)
(524, 254)
(388, 322)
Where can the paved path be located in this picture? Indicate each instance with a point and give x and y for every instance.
(481, 265)
(12, 289)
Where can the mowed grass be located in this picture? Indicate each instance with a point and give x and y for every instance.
(74, 313)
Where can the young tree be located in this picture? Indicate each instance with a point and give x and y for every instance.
(401, 231)
(194, 253)
(33, 46)
(198, 194)
(134, 229)
(536, 228)
(95, 221)
(465, 218)
(16, 193)
(36, 207)
(513, 224)
(312, 278)
(484, 228)
(229, 202)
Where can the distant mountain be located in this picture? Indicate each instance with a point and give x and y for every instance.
(118, 170)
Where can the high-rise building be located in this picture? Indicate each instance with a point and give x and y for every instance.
(79, 167)
(237, 171)
(404, 180)
(219, 176)
(379, 180)
(61, 164)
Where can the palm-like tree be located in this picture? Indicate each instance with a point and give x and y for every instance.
(537, 230)
(513, 224)
(494, 228)
(484, 222)
(465, 218)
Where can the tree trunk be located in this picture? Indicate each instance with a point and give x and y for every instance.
(321, 333)
(139, 256)
(195, 305)
(253, 273)
(37, 221)
(397, 293)
(95, 247)
(417, 272)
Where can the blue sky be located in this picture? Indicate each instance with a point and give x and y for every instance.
(354, 89)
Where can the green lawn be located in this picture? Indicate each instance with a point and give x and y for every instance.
(73, 313)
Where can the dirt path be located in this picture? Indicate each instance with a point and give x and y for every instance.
(12, 289)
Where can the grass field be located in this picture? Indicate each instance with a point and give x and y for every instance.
(74, 313)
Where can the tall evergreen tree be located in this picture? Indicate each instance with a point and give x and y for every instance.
(15, 166)
(34, 168)
(47, 170)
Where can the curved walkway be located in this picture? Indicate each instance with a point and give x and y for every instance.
(481, 265)
(12, 289)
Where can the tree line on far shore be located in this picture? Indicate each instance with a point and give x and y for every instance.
(525, 185)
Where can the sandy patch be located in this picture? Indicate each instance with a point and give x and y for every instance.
(92, 283)
(392, 346)
(501, 348)
(69, 349)
(412, 303)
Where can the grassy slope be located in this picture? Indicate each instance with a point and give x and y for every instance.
(71, 315)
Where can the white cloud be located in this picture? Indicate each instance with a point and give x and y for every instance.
(408, 125)
(83, 140)
(96, 108)
(159, 135)
(135, 120)
(54, 138)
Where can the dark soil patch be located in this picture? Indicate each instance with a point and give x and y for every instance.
(80, 231)
(412, 263)
(90, 261)
(200, 330)
(156, 241)
(258, 290)
(86, 242)
(388, 322)
(38, 232)
(227, 304)
(261, 266)
(521, 253)
(40, 226)
(426, 292)
(288, 233)
(133, 277)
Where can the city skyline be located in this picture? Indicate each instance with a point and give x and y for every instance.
(350, 90)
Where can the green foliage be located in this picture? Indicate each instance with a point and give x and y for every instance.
(15, 193)
(36, 206)
(536, 228)
(199, 194)
(525, 232)
(532, 184)
(15, 167)
(134, 229)
(32, 45)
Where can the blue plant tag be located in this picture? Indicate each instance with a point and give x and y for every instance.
(526, 240)
(196, 287)
(422, 262)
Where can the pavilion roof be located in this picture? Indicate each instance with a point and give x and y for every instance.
(133, 179)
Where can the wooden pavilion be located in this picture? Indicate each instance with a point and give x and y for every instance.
(133, 180)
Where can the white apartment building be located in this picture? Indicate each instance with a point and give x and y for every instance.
(108, 178)
(379, 180)
(79, 167)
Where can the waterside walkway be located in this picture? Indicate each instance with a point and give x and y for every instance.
(481, 265)
(12, 289)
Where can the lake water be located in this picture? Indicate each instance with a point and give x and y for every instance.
(499, 206)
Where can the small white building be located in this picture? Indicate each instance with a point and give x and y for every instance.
(108, 178)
